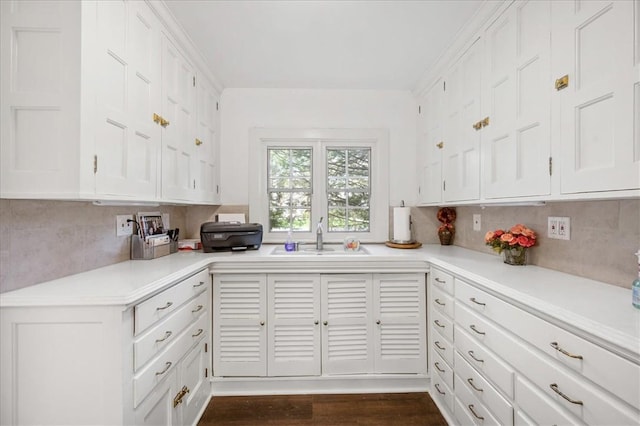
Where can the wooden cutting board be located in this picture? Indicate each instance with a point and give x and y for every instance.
(403, 246)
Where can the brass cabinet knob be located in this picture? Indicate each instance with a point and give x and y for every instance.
(198, 142)
(440, 145)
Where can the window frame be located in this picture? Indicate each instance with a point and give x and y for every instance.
(260, 139)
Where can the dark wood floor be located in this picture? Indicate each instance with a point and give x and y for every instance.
(402, 409)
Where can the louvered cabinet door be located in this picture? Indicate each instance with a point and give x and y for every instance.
(399, 315)
(239, 325)
(293, 325)
(347, 346)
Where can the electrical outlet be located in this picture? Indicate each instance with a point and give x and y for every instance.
(559, 228)
(564, 228)
(477, 223)
(123, 226)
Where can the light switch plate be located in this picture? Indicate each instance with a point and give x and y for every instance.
(559, 228)
(477, 222)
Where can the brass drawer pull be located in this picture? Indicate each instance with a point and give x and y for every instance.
(165, 306)
(554, 387)
(472, 355)
(198, 309)
(557, 347)
(473, 299)
(437, 344)
(200, 284)
(470, 380)
(437, 365)
(178, 398)
(439, 302)
(198, 333)
(167, 367)
(438, 389)
(473, 327)
(166, 336)
(438, 280)
(474, 412)
(436, 322)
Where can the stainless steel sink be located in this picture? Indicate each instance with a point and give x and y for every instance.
(310, 250)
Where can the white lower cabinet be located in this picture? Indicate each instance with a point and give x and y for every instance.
(511, 366)
(147, 363)
(318, 324)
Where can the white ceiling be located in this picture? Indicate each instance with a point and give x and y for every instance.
(322, 44)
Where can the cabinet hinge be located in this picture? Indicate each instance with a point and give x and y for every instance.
(419, 189)
(206, 372)
(217, 189)
(444, 86)
(444, 185)
(419, 109)
(217, 107)
(194, 81)
(206, 347)
(550, 166)
(95, 164)
(194, 184)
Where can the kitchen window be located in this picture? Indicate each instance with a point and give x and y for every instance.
(300, 176)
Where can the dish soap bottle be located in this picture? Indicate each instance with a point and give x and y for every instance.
(289, 245)
(635, 287)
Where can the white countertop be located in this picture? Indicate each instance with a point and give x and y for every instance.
(593, 308)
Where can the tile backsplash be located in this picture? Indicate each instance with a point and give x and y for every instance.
(604, 235)
(45, 240)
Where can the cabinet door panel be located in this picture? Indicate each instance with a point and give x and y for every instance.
(346, 331)
(206, 146)
(430, 137)
(194, 375)
(294, 330)
(239, 325)
(461, 152)
(516, 143)
(157, 409)
(127, 139)
(399, 334)
(178, 137)
(599, 148)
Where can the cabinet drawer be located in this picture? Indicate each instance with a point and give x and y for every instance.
(486, 362)
(151, 342)
(155, 372)
(472, 409)
(539, 408)
(442, 280)
(483, 390)
(166, 302)
(574, 393)
(443, 324)
(588, 359)
(442, 392)
(443, 347)
(442, 302)
(442, 369)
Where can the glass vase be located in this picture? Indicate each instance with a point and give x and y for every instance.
(446, 237)
(515, 256)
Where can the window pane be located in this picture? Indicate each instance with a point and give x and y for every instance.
(348, 189)
(290, 184)
(358, 199)
(359, 162)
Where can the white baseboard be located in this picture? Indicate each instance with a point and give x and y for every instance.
(244, 386)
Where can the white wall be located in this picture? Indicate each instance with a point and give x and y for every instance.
(243, 109)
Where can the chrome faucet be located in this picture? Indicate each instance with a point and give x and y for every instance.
(319, 235)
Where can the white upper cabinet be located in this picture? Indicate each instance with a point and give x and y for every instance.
(179, 129)
(517, 85)
(97, 100)
(127, 140)
(461, 151)
(206, 158)
(595, 44)
(430, 145)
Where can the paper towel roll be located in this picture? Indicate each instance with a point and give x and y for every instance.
(402, 224)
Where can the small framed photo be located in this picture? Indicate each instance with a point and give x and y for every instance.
(150, 224)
